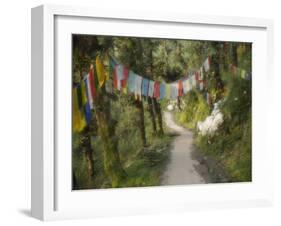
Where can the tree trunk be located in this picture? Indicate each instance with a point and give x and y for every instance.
(90, 163)
(157, 108)
(139, 105)
(74, 181)
(222, 61)
(179, 103)
(216, 68)
(234, 54)
(152, 115)
(106, 128)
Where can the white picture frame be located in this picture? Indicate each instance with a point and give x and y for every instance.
(52, 197)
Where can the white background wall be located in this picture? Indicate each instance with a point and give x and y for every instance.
(15, 112)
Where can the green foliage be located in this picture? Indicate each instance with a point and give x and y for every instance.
(143, 167)
(195, 109)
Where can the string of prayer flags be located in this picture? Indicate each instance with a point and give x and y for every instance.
(100, 71)
(85, 93)
(151, 88)
(128, 80)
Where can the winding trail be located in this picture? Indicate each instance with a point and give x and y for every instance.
(182, 168)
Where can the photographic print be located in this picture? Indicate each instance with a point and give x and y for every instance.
(158, 112)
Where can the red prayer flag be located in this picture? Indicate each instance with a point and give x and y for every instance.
(156, 90)
(92, 83)
(125, 76)
(115, 78)
(180, 92)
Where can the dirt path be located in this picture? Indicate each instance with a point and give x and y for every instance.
(182, 168)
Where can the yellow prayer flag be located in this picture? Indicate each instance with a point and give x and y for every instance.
(107, 72)
(78, 121)
(100, 71)
(243, 74)
(168, 91)
(124, 90)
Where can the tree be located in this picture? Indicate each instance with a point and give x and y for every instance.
(106, 128)
(86, 48)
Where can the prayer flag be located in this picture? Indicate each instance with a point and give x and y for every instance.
(87, 110)
(180, 88)
(174, 90)
(115, 77)
(186, 86)
(100, 71)
(124, 80)
(162, 91)
(131, 81)
(243, 74)
(168, 91)
(193, 81)
(151, 88)
(119, 76)
(138, 83)
(88, 91)
(156, 90)
(92, 83)
(78, 121)
(112, 63)
(144, 88)
(207, 64)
